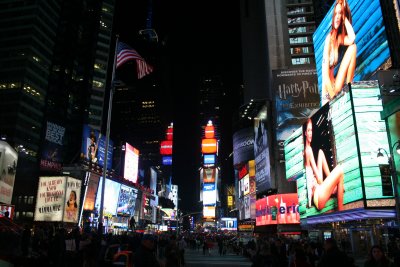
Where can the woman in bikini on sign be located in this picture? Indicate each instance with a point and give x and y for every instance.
(320, 189)
(341, 35)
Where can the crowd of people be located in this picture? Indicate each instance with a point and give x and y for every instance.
(53, 245)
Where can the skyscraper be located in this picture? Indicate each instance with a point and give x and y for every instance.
(53, 72)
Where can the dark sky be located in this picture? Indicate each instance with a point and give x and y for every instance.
(196, 38)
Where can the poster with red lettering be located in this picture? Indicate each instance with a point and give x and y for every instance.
(278, 209)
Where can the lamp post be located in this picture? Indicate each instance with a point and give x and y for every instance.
(393, 173)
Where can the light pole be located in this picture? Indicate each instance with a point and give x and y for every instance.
(393, 174)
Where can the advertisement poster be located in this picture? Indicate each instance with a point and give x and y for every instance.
(131, 164)
(52, 147)
(73, 196)
(126, 201)
(91, 192)
(323, 157)
(209, 194)
(296, 97)
(277, 209)
(111, 193)
(261, 151)
(349, 52)
(50, 199)
(209, 175)
(8, 167)
(93, 147)
(243, 146)
(394, 130)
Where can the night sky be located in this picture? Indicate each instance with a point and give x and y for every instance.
(197, 38)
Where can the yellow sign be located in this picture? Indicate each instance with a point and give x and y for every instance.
(230, 201)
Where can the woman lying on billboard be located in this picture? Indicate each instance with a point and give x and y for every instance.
(341, 34)
(319, 190)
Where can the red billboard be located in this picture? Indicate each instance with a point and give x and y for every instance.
(278, 209)
(166, 147)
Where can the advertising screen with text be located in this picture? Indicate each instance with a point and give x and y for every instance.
(277, 209)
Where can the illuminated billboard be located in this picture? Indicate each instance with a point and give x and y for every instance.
(278, 209)
(126, 201)
(332, 157)
(91, 191)
(166, 147)
(111, 192)
(7, 211)
(209, 146)
(208, 212)
(72, 198)
(209, 175)
(58, 199)
(243, 145)
(261, 151)
(353, 46)
(209, 159)
(131, 164)
(52, 147)
(394, 133)
(93, 147)
(296, 97)
(229, 224)
(209, 131)
(209, 194)
(8, 167)
(167, 160)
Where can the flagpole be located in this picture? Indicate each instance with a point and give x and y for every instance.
(112, 89)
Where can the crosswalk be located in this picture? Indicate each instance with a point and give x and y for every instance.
(195, 258)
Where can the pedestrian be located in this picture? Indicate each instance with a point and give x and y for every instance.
(26, 240)
(181, 246)
(76, 233)
(333, 256)
(377, 258)
(145, 256)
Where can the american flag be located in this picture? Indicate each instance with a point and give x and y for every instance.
(126, 53)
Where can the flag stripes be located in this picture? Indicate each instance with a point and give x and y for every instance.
(126, 53)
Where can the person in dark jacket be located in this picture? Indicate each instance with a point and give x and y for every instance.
(377, 258)
(145, 256)
(333, 256)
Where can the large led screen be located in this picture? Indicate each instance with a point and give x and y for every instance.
(209, 175)
(352, 44)
(111, 192)
(208, 212)
(126, 201)
(277, 209)
(394, 130)
(332, 157)
(94, 147)
(261, 151)
(91, 191)
(131, 163)
(8, 168)
(209, 194)
(243, 145)
(229, 224)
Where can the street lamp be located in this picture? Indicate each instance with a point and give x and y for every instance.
(393, 173)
